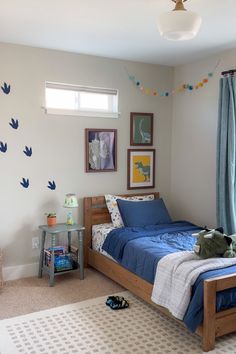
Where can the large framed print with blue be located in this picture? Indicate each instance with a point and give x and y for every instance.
(100, 150)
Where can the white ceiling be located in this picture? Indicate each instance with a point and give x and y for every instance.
(125, 29)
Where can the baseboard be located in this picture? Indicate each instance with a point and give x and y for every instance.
(20, 271)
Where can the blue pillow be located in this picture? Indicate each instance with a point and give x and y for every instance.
(139, 214)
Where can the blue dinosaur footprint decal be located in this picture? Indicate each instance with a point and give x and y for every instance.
(3, 147)
(6, 88)
(14, 123)
(25, 182)
(28, 151)
(51, 185)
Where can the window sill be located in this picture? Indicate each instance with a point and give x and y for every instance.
(71, 112)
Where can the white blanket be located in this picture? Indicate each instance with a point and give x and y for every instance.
(175, 275)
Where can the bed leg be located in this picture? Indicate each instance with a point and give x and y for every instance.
(209, 322)
(88, 228)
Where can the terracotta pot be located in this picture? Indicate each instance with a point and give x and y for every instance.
(51, 220)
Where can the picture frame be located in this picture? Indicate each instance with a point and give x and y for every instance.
(141, 168)
(100, 150)
(141, 129)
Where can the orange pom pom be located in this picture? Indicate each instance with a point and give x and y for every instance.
(205, 81)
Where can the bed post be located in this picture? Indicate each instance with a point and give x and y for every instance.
(88, 228)
(209, 321)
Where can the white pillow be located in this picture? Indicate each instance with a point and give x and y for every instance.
(113, 207)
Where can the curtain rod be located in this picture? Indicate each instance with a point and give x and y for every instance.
(229, 72)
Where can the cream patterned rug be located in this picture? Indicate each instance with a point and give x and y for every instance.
(92, 327)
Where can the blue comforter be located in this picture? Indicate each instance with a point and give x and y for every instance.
(140, 249)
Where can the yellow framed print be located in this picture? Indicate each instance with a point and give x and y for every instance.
(141, 168)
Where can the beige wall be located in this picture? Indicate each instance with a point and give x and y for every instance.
(193, 165)
(58, 141)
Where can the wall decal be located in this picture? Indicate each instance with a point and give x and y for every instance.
(3, 147)
(14, 123)
(51, 185)
(25, 182)
(28, 151)
(6, 88)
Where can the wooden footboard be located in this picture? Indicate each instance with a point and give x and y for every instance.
(220, 323)
(214, 324)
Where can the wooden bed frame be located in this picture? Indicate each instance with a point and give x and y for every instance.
(214, 324)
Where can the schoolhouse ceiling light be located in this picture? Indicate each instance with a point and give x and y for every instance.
(179, 24)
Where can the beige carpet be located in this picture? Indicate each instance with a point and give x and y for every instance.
(92, 327)
(32, 294)
(27, 295)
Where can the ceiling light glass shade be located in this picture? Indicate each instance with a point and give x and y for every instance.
(179, 25)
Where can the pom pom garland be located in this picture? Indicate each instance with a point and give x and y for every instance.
(159, 93)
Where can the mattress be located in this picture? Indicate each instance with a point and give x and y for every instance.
(99, 234)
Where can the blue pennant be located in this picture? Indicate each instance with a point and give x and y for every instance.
(14, 123)
(51, 185)
(28, 151)
(25, 182)
(6, 88)
(3, 147)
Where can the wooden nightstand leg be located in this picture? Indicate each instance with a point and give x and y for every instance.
(52, 265)
(81, 254)
(40, 274)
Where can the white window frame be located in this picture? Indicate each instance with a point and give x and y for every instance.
(90, 112)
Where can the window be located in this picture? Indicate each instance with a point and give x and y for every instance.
(81, 100)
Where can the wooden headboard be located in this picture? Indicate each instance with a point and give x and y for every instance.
(96, 212)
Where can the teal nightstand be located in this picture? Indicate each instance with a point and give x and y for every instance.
(53, 232)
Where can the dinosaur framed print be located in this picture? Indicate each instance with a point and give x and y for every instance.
(141, 129)
(141, 168)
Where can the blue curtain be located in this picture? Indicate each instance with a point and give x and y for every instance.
(226, 156)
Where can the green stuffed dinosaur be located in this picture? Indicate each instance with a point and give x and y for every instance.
(214, 243)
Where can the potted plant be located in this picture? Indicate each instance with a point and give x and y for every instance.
(51, 219)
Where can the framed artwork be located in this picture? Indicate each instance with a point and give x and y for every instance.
(101, 150)
(141, 168)
(141, 129)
